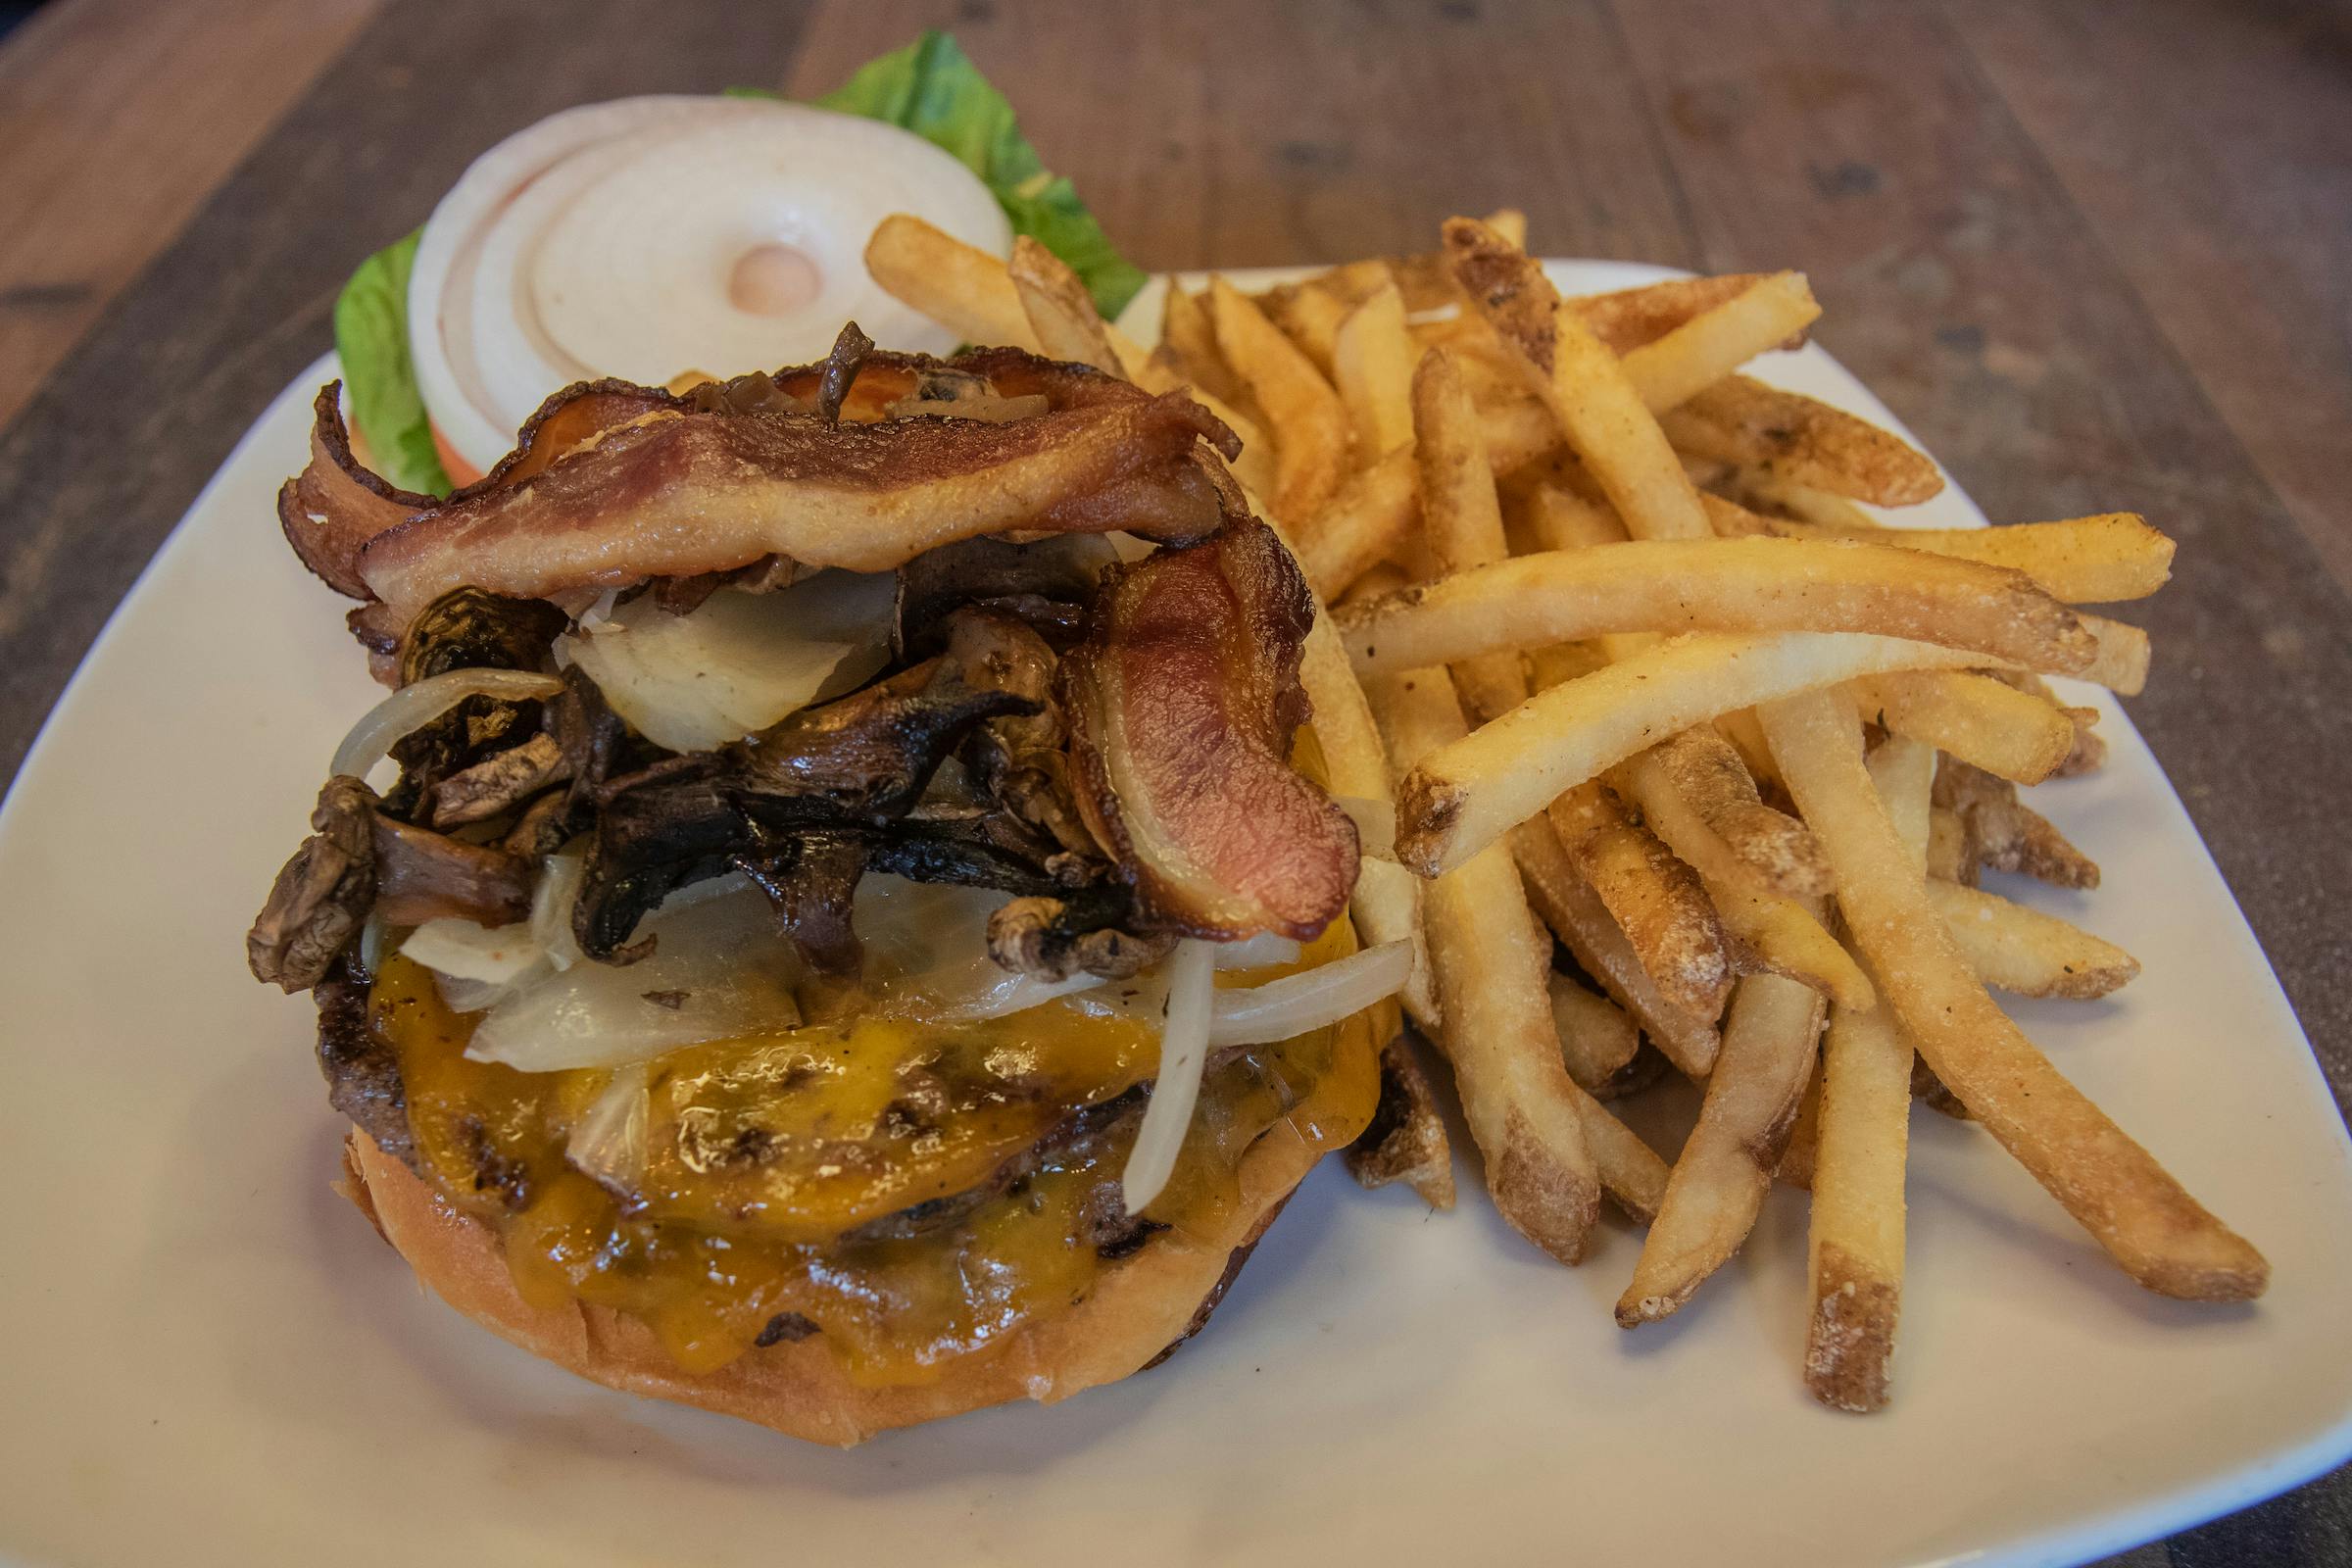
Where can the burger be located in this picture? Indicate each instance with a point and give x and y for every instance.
(836, 922)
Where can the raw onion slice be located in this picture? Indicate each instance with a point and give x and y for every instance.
(551, 904)
(652, 236)
(1183, 1052)
(609, 1145)
(411, 708)
(1281, 1009)
(465, 950)
(1260, 952)
(738, 661)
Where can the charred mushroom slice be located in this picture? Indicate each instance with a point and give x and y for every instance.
(1052, 938)
(1046, 583)
(321, 895)
(811, 881)
(423, 875)
(842, 365)
(488, 788)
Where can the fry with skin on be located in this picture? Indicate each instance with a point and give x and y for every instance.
(1184, 326)
(1657, 900)
(1575, 914)
(1061, 311)
(2006, 834)
(2122, 662)
(1581, 381)
(1704, 774)
(1308, 424)
(1492, 968)
(1718, 585)
(1785, 938)
(1309, 315)
(1597, 1039)
(1406, 1140)
(1464, 796)
(1460, 518)
(1372, 360)
(2081, 561)
(1626, 319)
(2129, 1203)
(1725, 1166)
(1701, 351)
(1984, 722)
(2025, 951)
(1739, 419)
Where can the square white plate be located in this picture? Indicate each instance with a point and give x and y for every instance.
(206, 1356)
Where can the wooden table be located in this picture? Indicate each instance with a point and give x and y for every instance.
(2096, 256)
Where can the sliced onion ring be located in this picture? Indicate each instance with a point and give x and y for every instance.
(1281, 1009)
(609, 1145)
(1183, 1052)
(411, 708)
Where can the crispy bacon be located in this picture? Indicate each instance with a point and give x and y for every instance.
(1184, 695)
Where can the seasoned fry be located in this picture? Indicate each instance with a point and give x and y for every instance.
(2121, 662)
(1705, 773)
(1061, 311)
(1491, 967)
(1725, 1166)
(1629, 318)
(2025, 953)
(959, 286)
(1739, 419)
(2006, 834)
(2081, 561)
(2129, 1202)
(1597, 1038)
(1509, 224)
(1577, 916)
(1309, 315)
(1854, 1252)
(1461, 520)
(1655, 900)
(1309, 423)
(1701, 351)
(1372, 360)
(1785, 499)
(1371, 518)
(1904, 772)
(1406, 1140)
(1981, 720)
(1746, 736)
(1465, 795)
(1581, 381)
(1719, 586)
(1784, 938)
(1185, 327)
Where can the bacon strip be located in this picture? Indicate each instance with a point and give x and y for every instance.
(1184, 697)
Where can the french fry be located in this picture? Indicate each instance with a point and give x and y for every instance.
(1491, 967)
(1575, 915)
(1784, 938)
(2006, 834)
(1061, 312)
(1372, 360)
(1719, 586)
(2122, 662)
(1369, 518)
(1739, 727)
(1904, 772)
(1725, 1166)
(2081, 561)
(1464, 796)
(1309, 315)
(2129, 1202)
(1627, 319)
(1742, 420)
(1769, 492)
(1461, 520)
(1796, 1168)
(1185, 327)
(1597, 1040)
(1950, 855)
(1704, 774)
(1657, 900)
(958, 285)
(1981, 720)
(1696, 353)
(1510, 224)
(2025, 953)
(1309, 423)
(1406, 1140)
(1854, 1247)
(1631, 1172)
(1581, 381)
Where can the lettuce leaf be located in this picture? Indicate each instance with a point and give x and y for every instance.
(930, 87)
(372, 337)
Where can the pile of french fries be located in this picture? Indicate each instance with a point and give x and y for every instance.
(1670, 756)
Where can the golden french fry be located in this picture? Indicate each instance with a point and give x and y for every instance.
(1796, 1168)
(1904, 772)
(1575, 915)
(1769, 492)
(1510, 224)
(1464, 796)
(1951, 858)
(1657, 900)
(2079, 561)
(1739, 727)
(1581, 381)
(1309, 315)
(1460, 518)
(1785, 938)
(1701, 351)
(1629, 318)
(1719, 586)
(2122, 662)
(2025, 953)
(1597, 1040)
(958, 285)
(1631, 1172)
(1725, 1166)
(1705, 776)
(1981, 720)
(1741, 419)
(1854, 1251)
(1370, 518)
(2129, 1202)
(1372, 360)
(1491, 967)
(1185, 327)
(1309, 423)
(1406, 1140)
(1061, 312)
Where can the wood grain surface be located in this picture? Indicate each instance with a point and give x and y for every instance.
(2095, 256)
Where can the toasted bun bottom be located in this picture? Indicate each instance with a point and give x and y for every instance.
(1138, 1310)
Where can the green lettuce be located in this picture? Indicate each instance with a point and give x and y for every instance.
(930, 87)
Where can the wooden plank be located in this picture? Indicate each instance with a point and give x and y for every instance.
(2217, 177)
(116, 119)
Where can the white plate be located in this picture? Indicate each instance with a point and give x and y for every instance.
(209, 1358)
